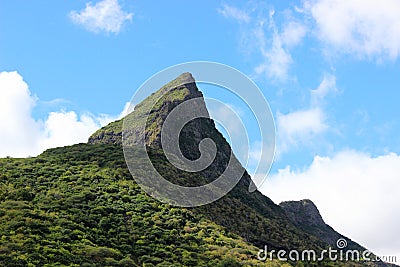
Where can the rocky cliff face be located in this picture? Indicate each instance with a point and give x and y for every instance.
(305, 215)
(303, 212)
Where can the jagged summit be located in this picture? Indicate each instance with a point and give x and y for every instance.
(153, 112)
(187, 77)
(155, 108)
(184, 78)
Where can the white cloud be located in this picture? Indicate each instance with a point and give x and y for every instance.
(365, 28)
(18, 129)
(276, 49)
(66, 128)
(328, 85)
(276, 60)
(350, 189)
(293, 33)
(106, 15)
(23, 136)
(301, 127)
(232, 12)
(302, 122)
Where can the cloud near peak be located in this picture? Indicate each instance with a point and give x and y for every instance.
(23, 136)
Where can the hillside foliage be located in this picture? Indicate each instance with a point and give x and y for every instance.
(79, 206)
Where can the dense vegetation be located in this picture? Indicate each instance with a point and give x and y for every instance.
(79, 206)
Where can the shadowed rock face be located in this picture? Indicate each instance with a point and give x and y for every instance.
(303, 212)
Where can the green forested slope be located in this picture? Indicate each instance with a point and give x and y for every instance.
(79, 206)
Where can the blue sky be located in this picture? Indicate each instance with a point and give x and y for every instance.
(329, 69)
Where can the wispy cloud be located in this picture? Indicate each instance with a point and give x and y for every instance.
(235, 13)
(277, 58)
(273, 42)
(327, 86)
(276, 48)
(105, 16)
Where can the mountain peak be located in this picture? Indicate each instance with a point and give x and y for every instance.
(182, 79)
(155, 109)
(181, 104)
(182, 82)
